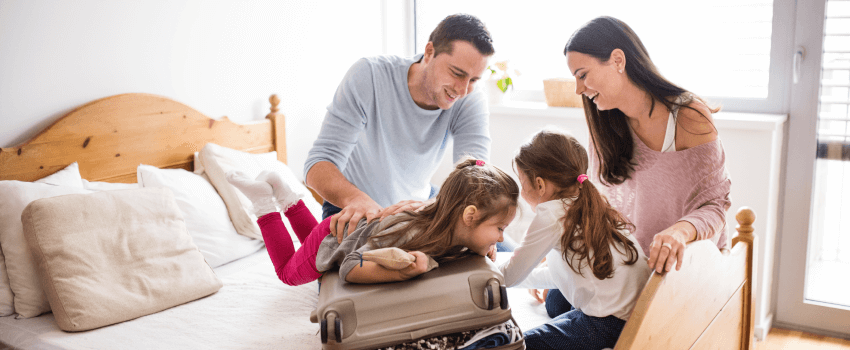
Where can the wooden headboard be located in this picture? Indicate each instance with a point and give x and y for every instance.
(111, 136)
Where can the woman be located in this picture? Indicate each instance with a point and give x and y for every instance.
(654, 149)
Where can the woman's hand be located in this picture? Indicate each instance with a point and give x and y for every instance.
(668, 247)
(416, 268)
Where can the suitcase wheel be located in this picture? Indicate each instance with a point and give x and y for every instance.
(324, 331)
(489, 295)
(503, 299)
(338, 330)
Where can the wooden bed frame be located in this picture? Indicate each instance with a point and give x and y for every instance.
(707, 304)
(123, 131)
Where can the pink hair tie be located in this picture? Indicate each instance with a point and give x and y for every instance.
(479, 162)
(581, 178)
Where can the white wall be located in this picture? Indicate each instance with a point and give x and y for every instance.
(223, 58)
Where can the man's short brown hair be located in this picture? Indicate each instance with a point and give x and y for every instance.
(461, 27)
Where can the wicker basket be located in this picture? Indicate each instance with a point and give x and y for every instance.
(561, 92)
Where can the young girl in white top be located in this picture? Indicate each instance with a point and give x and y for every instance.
(590, 253)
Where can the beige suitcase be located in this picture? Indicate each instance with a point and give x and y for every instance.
(462, 295)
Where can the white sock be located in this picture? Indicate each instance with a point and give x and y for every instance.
(283, 193)
(259, 192)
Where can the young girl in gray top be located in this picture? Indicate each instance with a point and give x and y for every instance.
(472, 209)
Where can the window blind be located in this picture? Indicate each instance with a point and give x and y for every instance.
(833, 133)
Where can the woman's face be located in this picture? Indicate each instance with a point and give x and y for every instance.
(600, 81)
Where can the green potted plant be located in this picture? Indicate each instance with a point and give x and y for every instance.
(500, 82)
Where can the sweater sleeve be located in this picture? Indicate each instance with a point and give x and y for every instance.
(542, 235)
(709, 199)
(345, 119)
(471, 129)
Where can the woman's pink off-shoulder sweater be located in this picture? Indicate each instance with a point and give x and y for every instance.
(666, 187)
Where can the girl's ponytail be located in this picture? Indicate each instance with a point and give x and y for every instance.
(592, 225)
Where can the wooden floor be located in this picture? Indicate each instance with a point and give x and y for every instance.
(793, 340)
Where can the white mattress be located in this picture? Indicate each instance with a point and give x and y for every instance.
(253, 310)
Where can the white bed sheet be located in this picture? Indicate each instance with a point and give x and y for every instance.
(253, 310)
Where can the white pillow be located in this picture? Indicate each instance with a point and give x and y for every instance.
(217, 161)
(70, 176)
(29, 299)
(107, 186)
(204, 212)
(10, 219)
(196, 163)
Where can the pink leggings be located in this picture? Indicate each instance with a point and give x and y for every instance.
(294, 267)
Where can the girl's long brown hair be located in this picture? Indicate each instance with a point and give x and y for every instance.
(591, 225)
(609, 130)
(486, 187)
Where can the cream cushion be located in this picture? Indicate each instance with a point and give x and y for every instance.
(216, 161)
(203, 211)
(112, 256)
(15, 196)
(394, 258)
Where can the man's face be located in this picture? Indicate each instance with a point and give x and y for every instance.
(451, 76)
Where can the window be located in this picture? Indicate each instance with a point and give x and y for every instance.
(718, 49)
(829, 251)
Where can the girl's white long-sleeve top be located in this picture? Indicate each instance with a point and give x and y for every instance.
(594, 297)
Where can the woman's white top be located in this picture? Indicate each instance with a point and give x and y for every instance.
(669, 144)
(600, 298)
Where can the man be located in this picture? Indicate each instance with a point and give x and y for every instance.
(386, 130)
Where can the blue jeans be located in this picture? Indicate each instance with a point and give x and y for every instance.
(575, 330)
(556, 304)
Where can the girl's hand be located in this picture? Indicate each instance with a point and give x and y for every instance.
(539, 295)
(416, 268)
(667, 249)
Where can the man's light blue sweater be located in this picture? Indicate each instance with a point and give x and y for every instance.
(384, 143)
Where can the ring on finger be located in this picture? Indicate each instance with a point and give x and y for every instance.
(668, 245)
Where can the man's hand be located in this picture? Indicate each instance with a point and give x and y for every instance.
(403, 206)
(361, 207)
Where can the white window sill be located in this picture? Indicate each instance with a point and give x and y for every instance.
(732, 120)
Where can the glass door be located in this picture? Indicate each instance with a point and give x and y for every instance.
(814, 272)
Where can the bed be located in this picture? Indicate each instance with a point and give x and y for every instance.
(708, 304)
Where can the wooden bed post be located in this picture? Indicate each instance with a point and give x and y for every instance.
(278, 128)
(279, 137)
(745, 218)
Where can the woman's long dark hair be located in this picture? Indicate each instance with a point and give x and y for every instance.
(591, 225)
(486, 187)
(609, 130)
